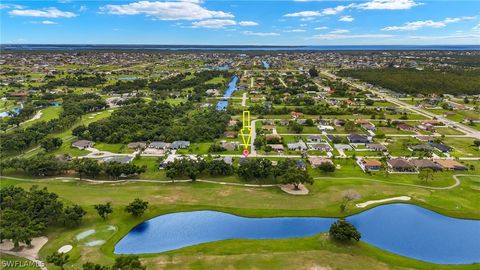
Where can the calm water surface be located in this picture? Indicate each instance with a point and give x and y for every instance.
(403, 229)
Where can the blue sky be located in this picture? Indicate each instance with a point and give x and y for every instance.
(295, 22)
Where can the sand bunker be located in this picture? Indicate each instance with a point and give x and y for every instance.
(85, 234)
(365, 204)
(95, 243)
(65, 249)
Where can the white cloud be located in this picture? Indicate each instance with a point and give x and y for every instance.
(373, 4)
(295, 31)
(476, 27)
(388, 4)
(43, 22)
(358, 36)
(411, 26)
(308, 13)
(82, 8)
(213, 23)
(335, 10)
(260, 34)
(8, 6)
(346, 19)
(340, 31)
(51, 12)
(321, 28)
(182, 10)
(247, 23)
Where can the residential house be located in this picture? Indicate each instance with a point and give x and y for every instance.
(450, 164)
(316, 161)
(137, 145)
(180, 144)
(230, 146)
(406, 127)
(119, 159)
(297, 146)
(376, 147)
(296, 115)
(400, 165)
(370, 165)
(442, 147)
(277, 147)
(314, 138)
(284, 122)
(230, 134)
(358, 138)
(425, 164)
(83, 144)
(321, 147)
(421, 147)
(159, 145)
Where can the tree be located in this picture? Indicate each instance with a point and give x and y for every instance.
(255, 169)
(94, 266)
(58, 259)
(327, 167)
(313, 72)
(476, 143)
(50, 144)
(350, 126)
(137, 207)
(425, 174)
(72, 215)
(87, 166)
(128, 262)
(104, 210)
(295, 127)
(344, 231)
(295, 177)
(348, 195)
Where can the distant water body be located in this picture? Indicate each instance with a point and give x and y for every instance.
(78, 47)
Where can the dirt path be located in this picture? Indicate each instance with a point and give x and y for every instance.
(29, 253)
(367, 203)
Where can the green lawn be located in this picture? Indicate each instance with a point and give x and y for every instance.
(12, 262)
(324, 200)
(47, 115)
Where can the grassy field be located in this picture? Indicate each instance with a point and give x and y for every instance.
(324, 200)
(8, 262)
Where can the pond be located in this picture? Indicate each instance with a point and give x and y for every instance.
(403, 229)
(232, 86)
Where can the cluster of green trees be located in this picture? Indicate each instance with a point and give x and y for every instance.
(75, 81)
(126, 86)
(124, 262)
(15, 119)
(156, 122)
(190, 168)
(412, 81)
(73, 107)
(317, 109)
(26, 214)
(286, 172)
(48, 165)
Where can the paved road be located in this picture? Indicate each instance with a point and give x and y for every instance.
(465, 129)
(281, 80)
(244, 100)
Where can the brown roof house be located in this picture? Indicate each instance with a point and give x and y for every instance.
(370, 165)
(400, 165)
(317, 161)
(425, 164)
(450, 164)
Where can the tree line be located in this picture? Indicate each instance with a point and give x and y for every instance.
(412, 81)
(48, 165)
